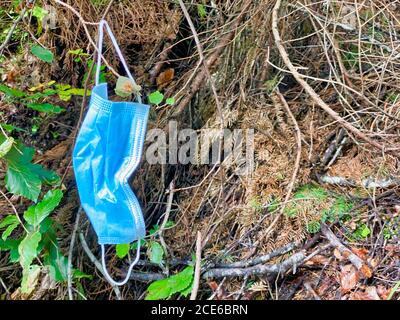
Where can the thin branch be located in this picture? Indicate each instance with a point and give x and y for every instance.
(258, 270)
(70, 252)
(11, 31)
(96, 262)
(314, 96)
(197, 269)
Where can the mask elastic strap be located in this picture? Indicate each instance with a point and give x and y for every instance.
(128, 275)
(117, 49)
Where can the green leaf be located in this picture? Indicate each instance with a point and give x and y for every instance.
(39, 13)
(362, 231)
(30, 278)
(8, 231)
(156, 97)
(47, 176)
(42, 53)
(11, 219)
(28, 248)
(22, 181)
(6, 145)
(35, 214)
(10, 128)
(170, 101)
(11, 92)
(163, 289)
(12, 246)
(10, 222)
(23, 177)
(122, 250)
(78, 274)
(45, 107)
(201, 11)
(156, 252)
(58, 266)
(78, 52)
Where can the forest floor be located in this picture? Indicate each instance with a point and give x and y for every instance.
(318, 82)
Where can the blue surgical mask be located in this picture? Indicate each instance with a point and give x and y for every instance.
(107, 151)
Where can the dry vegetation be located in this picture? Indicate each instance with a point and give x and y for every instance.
(322, 74)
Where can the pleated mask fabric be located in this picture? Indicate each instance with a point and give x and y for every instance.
(107, 151)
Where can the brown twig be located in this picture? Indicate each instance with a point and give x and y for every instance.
(314, 96)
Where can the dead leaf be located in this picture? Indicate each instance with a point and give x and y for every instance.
(383, 292)
(366, 271)
(348, 278)
(318, 260)
(165, 77)
(338, 255)
(370, 293)
(362, 253)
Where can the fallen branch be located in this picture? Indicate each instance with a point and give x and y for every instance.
(260, 260)
(258, 270)
(368, 183)
(335, 242)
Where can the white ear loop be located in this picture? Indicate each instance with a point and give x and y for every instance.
(128, 275)
(117, 49)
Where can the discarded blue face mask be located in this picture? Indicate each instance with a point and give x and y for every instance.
(107, 151)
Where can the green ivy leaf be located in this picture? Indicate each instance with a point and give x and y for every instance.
(122, 250)
(6, 144)
(35, 214)
(45, 107)
(163, 289)
(156, 97)
(156, 252)
(27, 249)
(42, 53)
